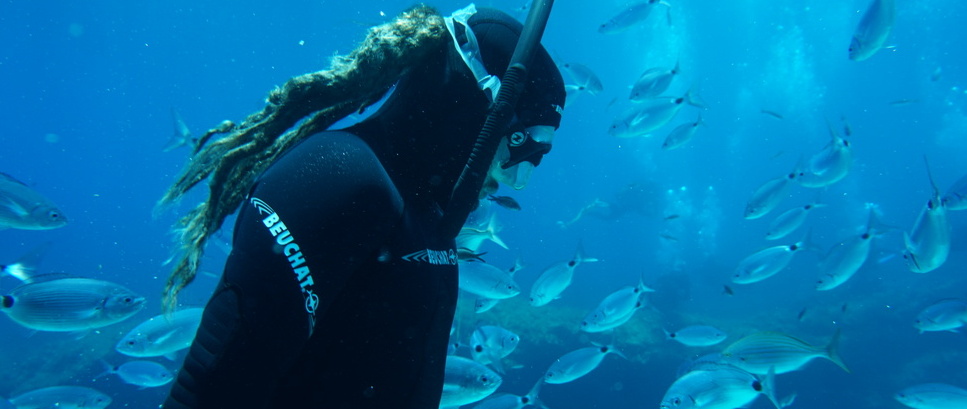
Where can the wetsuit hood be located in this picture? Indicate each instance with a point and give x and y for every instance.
(425, 130)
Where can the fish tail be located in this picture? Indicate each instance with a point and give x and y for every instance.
(581, 257)
(832, 352)
(693, 99)
(108, 369)
(769, 387)
(535, 390)
(808, 243)
(492, 228)
(27, 264)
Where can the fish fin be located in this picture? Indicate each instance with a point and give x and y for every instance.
(693, 99)
(498, 366)
(6, 176)
(27, 264)
(14, 207)
(936, 190)
(787, 401)
(181, 136)
(535, 390)
(81, 334)
(580, 257)
(769, 387)
(808, 243)
(910, 250)
(108, 369)
(832, 352)
(492, 228)
(617, 352)
(171, 356)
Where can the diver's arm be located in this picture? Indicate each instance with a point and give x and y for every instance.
(311, 219)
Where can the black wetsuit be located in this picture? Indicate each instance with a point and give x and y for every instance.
(339, 293)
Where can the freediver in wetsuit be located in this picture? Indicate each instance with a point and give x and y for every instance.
(339, 291)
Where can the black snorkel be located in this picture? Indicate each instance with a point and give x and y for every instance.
(464, 197)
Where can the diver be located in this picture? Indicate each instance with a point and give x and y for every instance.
(340, 288)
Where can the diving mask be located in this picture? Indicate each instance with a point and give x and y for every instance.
(519, 153)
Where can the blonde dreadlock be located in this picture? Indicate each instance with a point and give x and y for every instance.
(232, 163)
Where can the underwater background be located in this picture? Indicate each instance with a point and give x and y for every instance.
(87, 89)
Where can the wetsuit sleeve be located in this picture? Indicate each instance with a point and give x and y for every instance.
(323, 209)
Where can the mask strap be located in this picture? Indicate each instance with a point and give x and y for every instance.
(470, 51)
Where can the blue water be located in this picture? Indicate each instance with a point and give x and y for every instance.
(86, 89)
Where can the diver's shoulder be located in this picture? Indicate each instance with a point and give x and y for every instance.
(333, 164)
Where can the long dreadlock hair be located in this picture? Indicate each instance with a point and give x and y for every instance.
(232, 163)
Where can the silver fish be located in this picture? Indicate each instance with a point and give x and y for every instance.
(509, 401)
(653, 82)
(790, 220)
(556, 278)
(577, 363)
(162, 335)
(845, 258)
(874, 29)
(489, 344)
(629, 17)
(23, 208)
(145, 374)
(466, 382)
(584, 79)
(697, 335)
(58, 303)
(768, 196)
(62, 397)
(928, 244)
(828, 166)
(956, 196)
(718, 387)
(482, 305)
(933, 396)
(486, 281)
(681, 134)
(647, 116)
(764, 351)
(765, 263)
(946, 315)
(615, 309)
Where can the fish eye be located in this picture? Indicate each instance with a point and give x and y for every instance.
(524, 400)
(676, 401)
(131, 342)
(478, 348)
(53, 215)
(483, 378)
(128, 299)
(865, 236)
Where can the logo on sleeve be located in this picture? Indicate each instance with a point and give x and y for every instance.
(436, 257)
